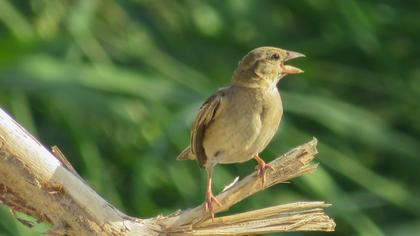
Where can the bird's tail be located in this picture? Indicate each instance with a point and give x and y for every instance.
(186, 155)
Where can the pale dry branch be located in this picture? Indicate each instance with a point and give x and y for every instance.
(35, 182)
(300, 216)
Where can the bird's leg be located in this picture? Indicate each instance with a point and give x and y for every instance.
(210, 198)
(262, 168)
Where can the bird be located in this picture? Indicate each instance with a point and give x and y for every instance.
(237, 122)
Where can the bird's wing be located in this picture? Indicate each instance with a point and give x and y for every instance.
(205, 116)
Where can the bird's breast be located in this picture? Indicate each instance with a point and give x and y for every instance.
(270, 118)
(246, 125)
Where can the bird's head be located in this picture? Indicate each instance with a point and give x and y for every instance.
(265, 66)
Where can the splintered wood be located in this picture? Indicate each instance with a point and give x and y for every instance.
(35, 182)
(301, 216)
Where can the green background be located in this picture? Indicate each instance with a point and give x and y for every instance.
(116, 85)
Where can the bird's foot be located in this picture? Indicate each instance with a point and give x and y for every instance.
(209, 204)
(262, 169)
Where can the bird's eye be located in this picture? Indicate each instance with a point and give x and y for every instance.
(275, 56)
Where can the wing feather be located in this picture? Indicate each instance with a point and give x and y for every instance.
(205, 116)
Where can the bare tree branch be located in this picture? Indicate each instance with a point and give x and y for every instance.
(35, 182)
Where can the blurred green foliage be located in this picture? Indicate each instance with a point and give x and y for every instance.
(116, 84)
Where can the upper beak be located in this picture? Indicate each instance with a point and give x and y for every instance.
(287, 69)
(292, 55)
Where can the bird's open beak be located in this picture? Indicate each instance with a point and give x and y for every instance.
(287, 69)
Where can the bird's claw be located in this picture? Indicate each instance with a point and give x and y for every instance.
(261, 171)
(208, 205)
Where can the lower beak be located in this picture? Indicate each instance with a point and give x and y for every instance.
(291, 70)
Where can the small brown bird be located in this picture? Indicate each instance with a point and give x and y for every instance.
(237, 122)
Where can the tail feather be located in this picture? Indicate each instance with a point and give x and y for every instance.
(186, 155)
